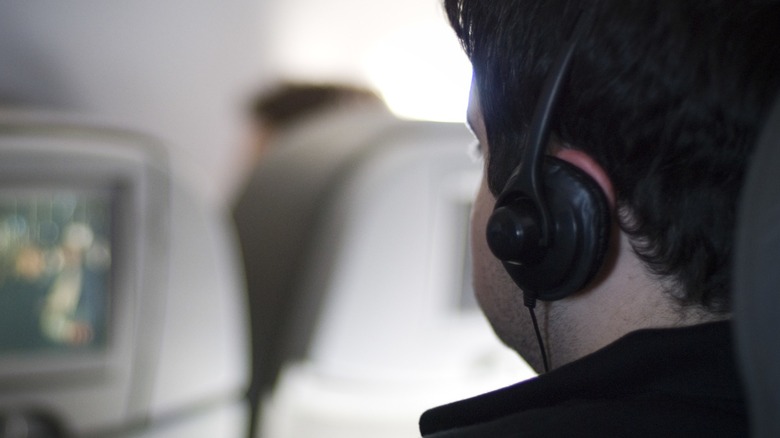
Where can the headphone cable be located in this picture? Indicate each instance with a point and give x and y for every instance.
(530, 302)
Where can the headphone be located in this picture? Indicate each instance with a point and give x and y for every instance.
(550, 224)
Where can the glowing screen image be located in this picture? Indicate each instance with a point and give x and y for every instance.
(55, 270)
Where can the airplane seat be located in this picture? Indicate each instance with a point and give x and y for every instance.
(354, 238)
(757, 282)
(276, 221)
(121, 301)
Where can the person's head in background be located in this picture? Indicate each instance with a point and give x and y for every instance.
(287, 105)
(663, 102)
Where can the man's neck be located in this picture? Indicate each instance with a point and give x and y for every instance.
(624, 299)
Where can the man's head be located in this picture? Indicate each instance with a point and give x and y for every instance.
(288, 104)
(665, 96)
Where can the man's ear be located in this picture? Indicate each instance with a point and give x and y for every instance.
(588, 165)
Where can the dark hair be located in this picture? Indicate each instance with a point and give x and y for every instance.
(290, 102)
(667, 95)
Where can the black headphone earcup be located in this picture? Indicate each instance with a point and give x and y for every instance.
(579, 231)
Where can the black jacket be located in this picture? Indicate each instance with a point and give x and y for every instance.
(650, 383)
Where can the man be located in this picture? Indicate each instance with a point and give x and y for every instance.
(660, 104)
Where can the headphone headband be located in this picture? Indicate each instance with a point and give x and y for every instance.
(531, 164)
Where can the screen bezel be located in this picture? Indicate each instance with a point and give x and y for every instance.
(132, 173)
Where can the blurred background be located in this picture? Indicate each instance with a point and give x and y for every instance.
(184, 71)
(321, 291)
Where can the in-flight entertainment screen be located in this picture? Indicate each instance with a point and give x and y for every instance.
(55, 270)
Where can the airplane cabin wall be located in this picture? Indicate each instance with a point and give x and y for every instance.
(178, 70)
(182, 70)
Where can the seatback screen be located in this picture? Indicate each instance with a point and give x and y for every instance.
(55, 270)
